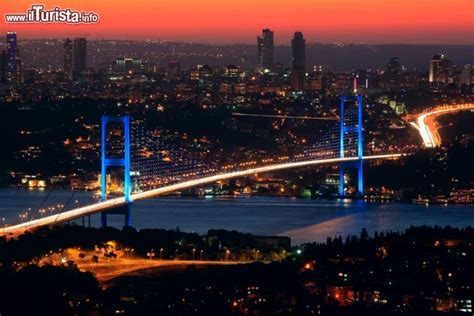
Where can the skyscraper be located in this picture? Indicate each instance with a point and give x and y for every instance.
(3, 66)
(393, 72)
(298, 61)
(173, 71)
(13, 67)
(393, 65)
(265, 49)
(440, 69)
(467, 75)
(79, 55)
(68, 59)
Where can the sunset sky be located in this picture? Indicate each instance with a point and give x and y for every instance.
(219, 21)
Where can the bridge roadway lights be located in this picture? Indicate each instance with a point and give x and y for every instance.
(114, 162)
(357, 128)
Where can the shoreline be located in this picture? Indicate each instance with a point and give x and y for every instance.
(421, 200)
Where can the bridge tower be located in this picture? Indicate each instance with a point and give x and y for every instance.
(116, 162)
(346, 127)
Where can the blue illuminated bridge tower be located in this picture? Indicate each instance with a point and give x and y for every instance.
(350, 141)
(123, 162)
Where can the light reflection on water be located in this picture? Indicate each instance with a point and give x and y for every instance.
(301, 219)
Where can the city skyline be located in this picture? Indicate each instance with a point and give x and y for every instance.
(246, 158)
(336, 21)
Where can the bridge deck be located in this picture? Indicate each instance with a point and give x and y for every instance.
(115, 202)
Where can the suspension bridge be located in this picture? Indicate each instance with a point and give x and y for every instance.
(153, 166)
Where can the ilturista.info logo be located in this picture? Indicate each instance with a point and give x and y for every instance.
(38, 14)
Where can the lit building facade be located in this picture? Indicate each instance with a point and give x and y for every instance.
(265, 49)
(441, 69)
(68, 59)
(13, 66)
(128, 65)
(467, 75)
(393, 72)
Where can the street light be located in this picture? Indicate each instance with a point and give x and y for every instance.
(257, 252)
(194, 252)
(161, 253)
(150, 254)
(283, 255)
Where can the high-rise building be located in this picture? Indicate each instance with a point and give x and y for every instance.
(128, 65)
(3, 66)
(11, 49)
(440, 69)
(298, 61)
(360, 79)
(298, 51)
(79, 55)
(393, 72)
(393, 65)
(265, 49)
(467, 75)
(13, 67)
(173, 71)
(68, 59)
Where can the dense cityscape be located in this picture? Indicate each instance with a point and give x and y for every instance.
(263, 111)
(210, 121)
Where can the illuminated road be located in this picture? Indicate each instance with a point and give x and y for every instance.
(425, 123)
(111, 270)
(106, 269)
(115, 202)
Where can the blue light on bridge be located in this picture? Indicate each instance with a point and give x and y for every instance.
(109, 162)
(347, 125)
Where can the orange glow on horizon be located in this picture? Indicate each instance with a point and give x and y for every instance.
(217, 21)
